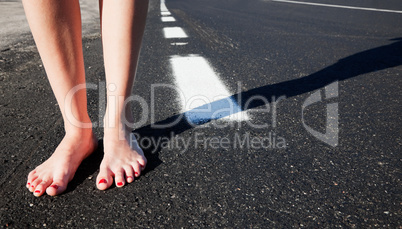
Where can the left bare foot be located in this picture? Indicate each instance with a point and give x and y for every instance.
(123, 159)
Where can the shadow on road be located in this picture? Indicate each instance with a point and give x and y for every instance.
(372, 60)
(87, 168)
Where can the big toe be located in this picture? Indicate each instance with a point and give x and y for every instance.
(56, 188)
(104, 180)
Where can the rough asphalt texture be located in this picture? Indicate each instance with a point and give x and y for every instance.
(273, 49)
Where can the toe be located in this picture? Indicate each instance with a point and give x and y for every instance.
(119, 178)
(59, 184)
(41, 187)
(104, 179)
(28, 185)
(32, 175)
(129, 174)
(56, 188)
(31, 178)
(53, 189)
(35, 183)
(142, 163)
(137, 169)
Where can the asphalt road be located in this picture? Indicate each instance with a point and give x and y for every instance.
(223, 173)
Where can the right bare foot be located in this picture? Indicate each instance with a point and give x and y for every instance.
(53, 175)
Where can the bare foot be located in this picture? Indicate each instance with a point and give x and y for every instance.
(123, 159)
(53, 175)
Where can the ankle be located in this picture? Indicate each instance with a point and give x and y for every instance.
(118, 116)
(82, 133)
(118, 133)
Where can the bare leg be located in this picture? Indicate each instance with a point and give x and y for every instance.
(56, 27)
(123, 24)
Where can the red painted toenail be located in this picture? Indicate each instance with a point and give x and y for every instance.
(33, 186)
(103, 181)
(29, 183)
(37, 191)
(119, 183)
(130, 177)
(54, 186)
(136, 173)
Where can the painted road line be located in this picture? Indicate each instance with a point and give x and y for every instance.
(174, 32)
(179, 43)
(165, 13)
(203, 96)
(339, 6)
(168, 19)
(163, 6)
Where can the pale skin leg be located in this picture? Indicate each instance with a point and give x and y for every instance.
(56, 27)
(123, 24)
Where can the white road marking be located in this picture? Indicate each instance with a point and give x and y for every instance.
(163, 6)
(179, 43)
(168, 19)
(338, 6)
(174, 32)
(203, 96)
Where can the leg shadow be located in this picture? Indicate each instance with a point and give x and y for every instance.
(371, 60)
(87, 168)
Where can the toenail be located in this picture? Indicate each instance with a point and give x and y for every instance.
(32, 186)
(129, 177)
(54, 186)
(29, 183)
(103, 181)
(136, 173)
(119, 183)
(37, 191)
